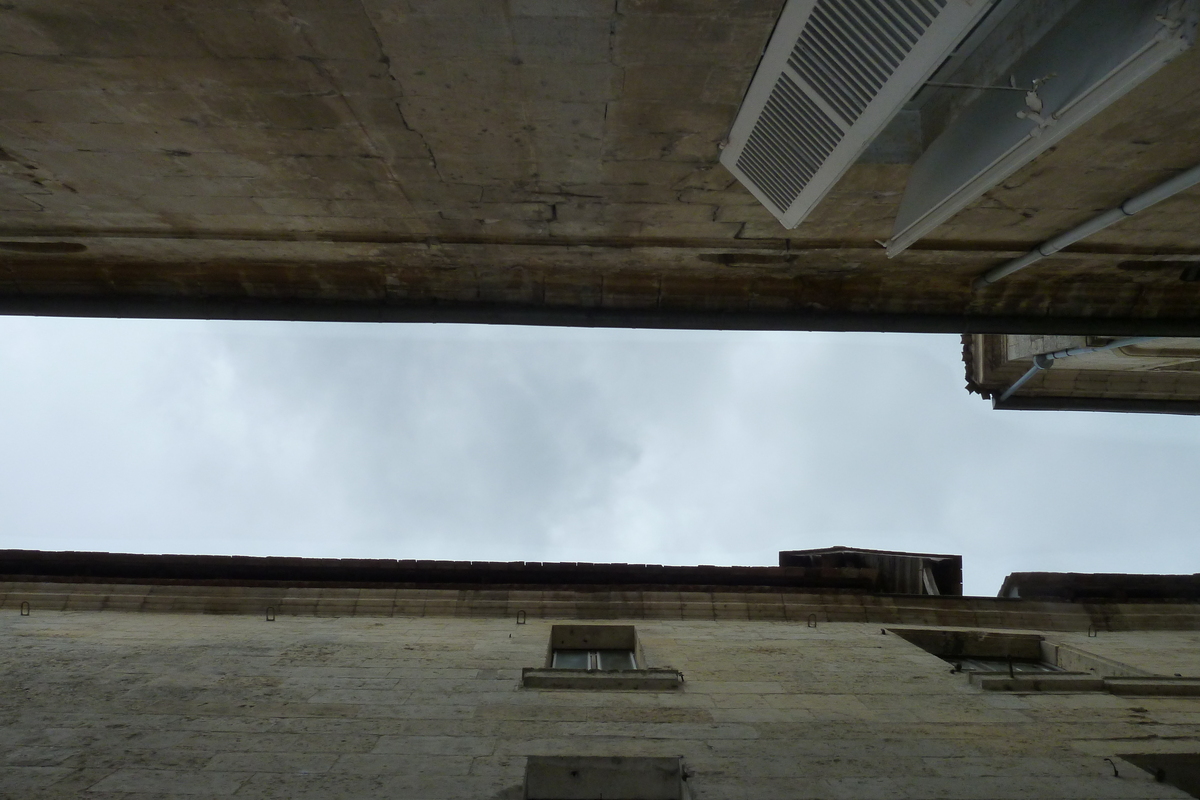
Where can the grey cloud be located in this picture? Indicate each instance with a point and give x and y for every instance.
(546, 444)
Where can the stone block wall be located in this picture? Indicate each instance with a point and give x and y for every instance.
(108, 704)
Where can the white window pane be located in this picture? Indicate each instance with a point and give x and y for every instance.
(571, 659)
(616, 660)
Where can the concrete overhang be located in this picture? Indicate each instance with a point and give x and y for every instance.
(518, 163)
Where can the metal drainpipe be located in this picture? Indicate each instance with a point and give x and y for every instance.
(1046, 360)
(1133, 205)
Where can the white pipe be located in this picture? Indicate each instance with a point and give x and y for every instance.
(1046, 360)
(1019, 383)
(1133, 205)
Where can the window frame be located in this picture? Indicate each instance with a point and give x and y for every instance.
(1002, 666)
(595, 659)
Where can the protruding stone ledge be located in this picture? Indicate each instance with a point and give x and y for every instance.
(653, 680)
(1087, 682)
(1038, 682)
(1153, 686)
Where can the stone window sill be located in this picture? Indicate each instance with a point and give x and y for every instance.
(1086, 682)
(654, 680)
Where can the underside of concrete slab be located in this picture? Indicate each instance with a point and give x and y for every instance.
(527, 162)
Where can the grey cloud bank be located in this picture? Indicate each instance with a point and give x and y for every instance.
(559, 444)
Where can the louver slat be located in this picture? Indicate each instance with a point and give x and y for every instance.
(791, 141)
(833, 75)
(853, 43)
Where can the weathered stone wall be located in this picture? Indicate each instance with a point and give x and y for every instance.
(139, 705)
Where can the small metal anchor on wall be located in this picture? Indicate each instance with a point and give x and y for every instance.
(1034, 106)
(1033, 101)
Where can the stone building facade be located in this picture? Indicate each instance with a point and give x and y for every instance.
(1085, 373)
(247, 687)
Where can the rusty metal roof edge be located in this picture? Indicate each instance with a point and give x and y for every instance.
(1084, 587)
(75, 567)
(849, 549)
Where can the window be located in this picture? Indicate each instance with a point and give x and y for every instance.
(1002, 661)
(602, 648)
(1022, 662)
(598, 657)
(982, 651)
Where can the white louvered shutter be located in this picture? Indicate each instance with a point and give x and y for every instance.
(833, 75)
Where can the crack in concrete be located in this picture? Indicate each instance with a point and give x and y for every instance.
(386, 60)
(364, 129)
(424, 142)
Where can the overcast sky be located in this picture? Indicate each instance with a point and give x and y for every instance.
(548, 444)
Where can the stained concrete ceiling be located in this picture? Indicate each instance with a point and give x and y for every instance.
(538, 161)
